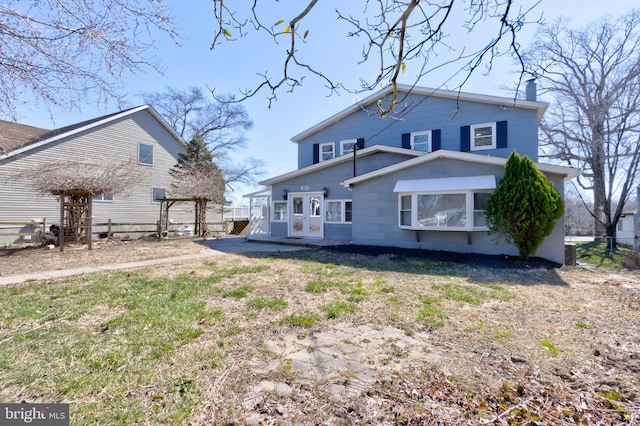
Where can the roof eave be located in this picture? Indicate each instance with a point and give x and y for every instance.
(126, 113)
(337, 160)
(540, 107)
(568, 172)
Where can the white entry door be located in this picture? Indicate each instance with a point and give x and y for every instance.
(306, 215)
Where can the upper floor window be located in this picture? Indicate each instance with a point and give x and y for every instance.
(483, 136)
(327, 151)
(421, 141)
(145, 154)
(347, 146)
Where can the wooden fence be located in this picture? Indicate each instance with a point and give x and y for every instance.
(31, 230)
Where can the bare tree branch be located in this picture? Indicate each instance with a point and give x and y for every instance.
(62, 51)
(396, 34)
(594, 123)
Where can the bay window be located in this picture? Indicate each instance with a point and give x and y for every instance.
(445, 204)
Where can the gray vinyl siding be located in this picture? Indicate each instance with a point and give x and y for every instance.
(331, 178)
(375, 212)
(429, 114)
(116, 141)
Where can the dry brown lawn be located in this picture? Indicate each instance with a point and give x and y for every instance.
(469, 344)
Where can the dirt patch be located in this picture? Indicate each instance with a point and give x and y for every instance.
(33, 259)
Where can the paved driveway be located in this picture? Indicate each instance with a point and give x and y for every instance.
(241, 245)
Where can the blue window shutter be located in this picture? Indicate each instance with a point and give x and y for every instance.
(360, 143)
(406, 140)
(435, 139)
(316, 153)
(465, 138)
(501, 134)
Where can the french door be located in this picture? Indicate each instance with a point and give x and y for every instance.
(306, 215)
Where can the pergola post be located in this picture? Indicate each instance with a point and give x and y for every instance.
(61, 227)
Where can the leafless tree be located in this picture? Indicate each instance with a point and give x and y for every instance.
(593, 124)
(201, 183)
(221, 125)
(60, 51)
(395, 34)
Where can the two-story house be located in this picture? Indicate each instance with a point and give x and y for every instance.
(138, 134)
(417, 180)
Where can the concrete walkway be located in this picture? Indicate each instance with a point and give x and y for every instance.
(217, 247)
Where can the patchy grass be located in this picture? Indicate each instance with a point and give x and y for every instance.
(182, 343)
(598, 254)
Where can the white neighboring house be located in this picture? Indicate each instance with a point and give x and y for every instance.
(138, 134)
(629, 226)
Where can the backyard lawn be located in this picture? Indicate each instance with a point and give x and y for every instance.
(322, 336)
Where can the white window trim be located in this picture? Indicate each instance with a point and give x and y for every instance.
(346, 141)
(414, 211)
(333, 151)
(273, 213)
(472, 139)
(426, 132)
(152, 154)
(343, 211)
(101, 198)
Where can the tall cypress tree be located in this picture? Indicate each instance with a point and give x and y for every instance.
(524, 207)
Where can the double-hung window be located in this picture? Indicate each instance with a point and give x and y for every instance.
(347, 146)
(327, 151)
(421, 141)
(338, 211)
(483, 136)
(445, 204)
(145, 154)
(279, 211)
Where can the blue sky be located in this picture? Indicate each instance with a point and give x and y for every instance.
(233, 66)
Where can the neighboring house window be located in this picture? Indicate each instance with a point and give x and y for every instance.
(421, 141)
(327, 151)
(483, 136)
(157, 194)
(145, 154)
(103, 197)
(346, 147)
(620, 227)
(338, 211)
(279, 211)
(455, 204)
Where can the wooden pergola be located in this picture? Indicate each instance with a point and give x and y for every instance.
(75, 217)
(200, 218)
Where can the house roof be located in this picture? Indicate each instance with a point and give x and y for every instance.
(14, 135)
(341, 159)
(567, 172)
(540, 107)
(26, 138)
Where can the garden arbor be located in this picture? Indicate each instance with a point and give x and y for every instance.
(76, 183)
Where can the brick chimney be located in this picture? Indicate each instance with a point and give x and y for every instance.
(531, 90)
